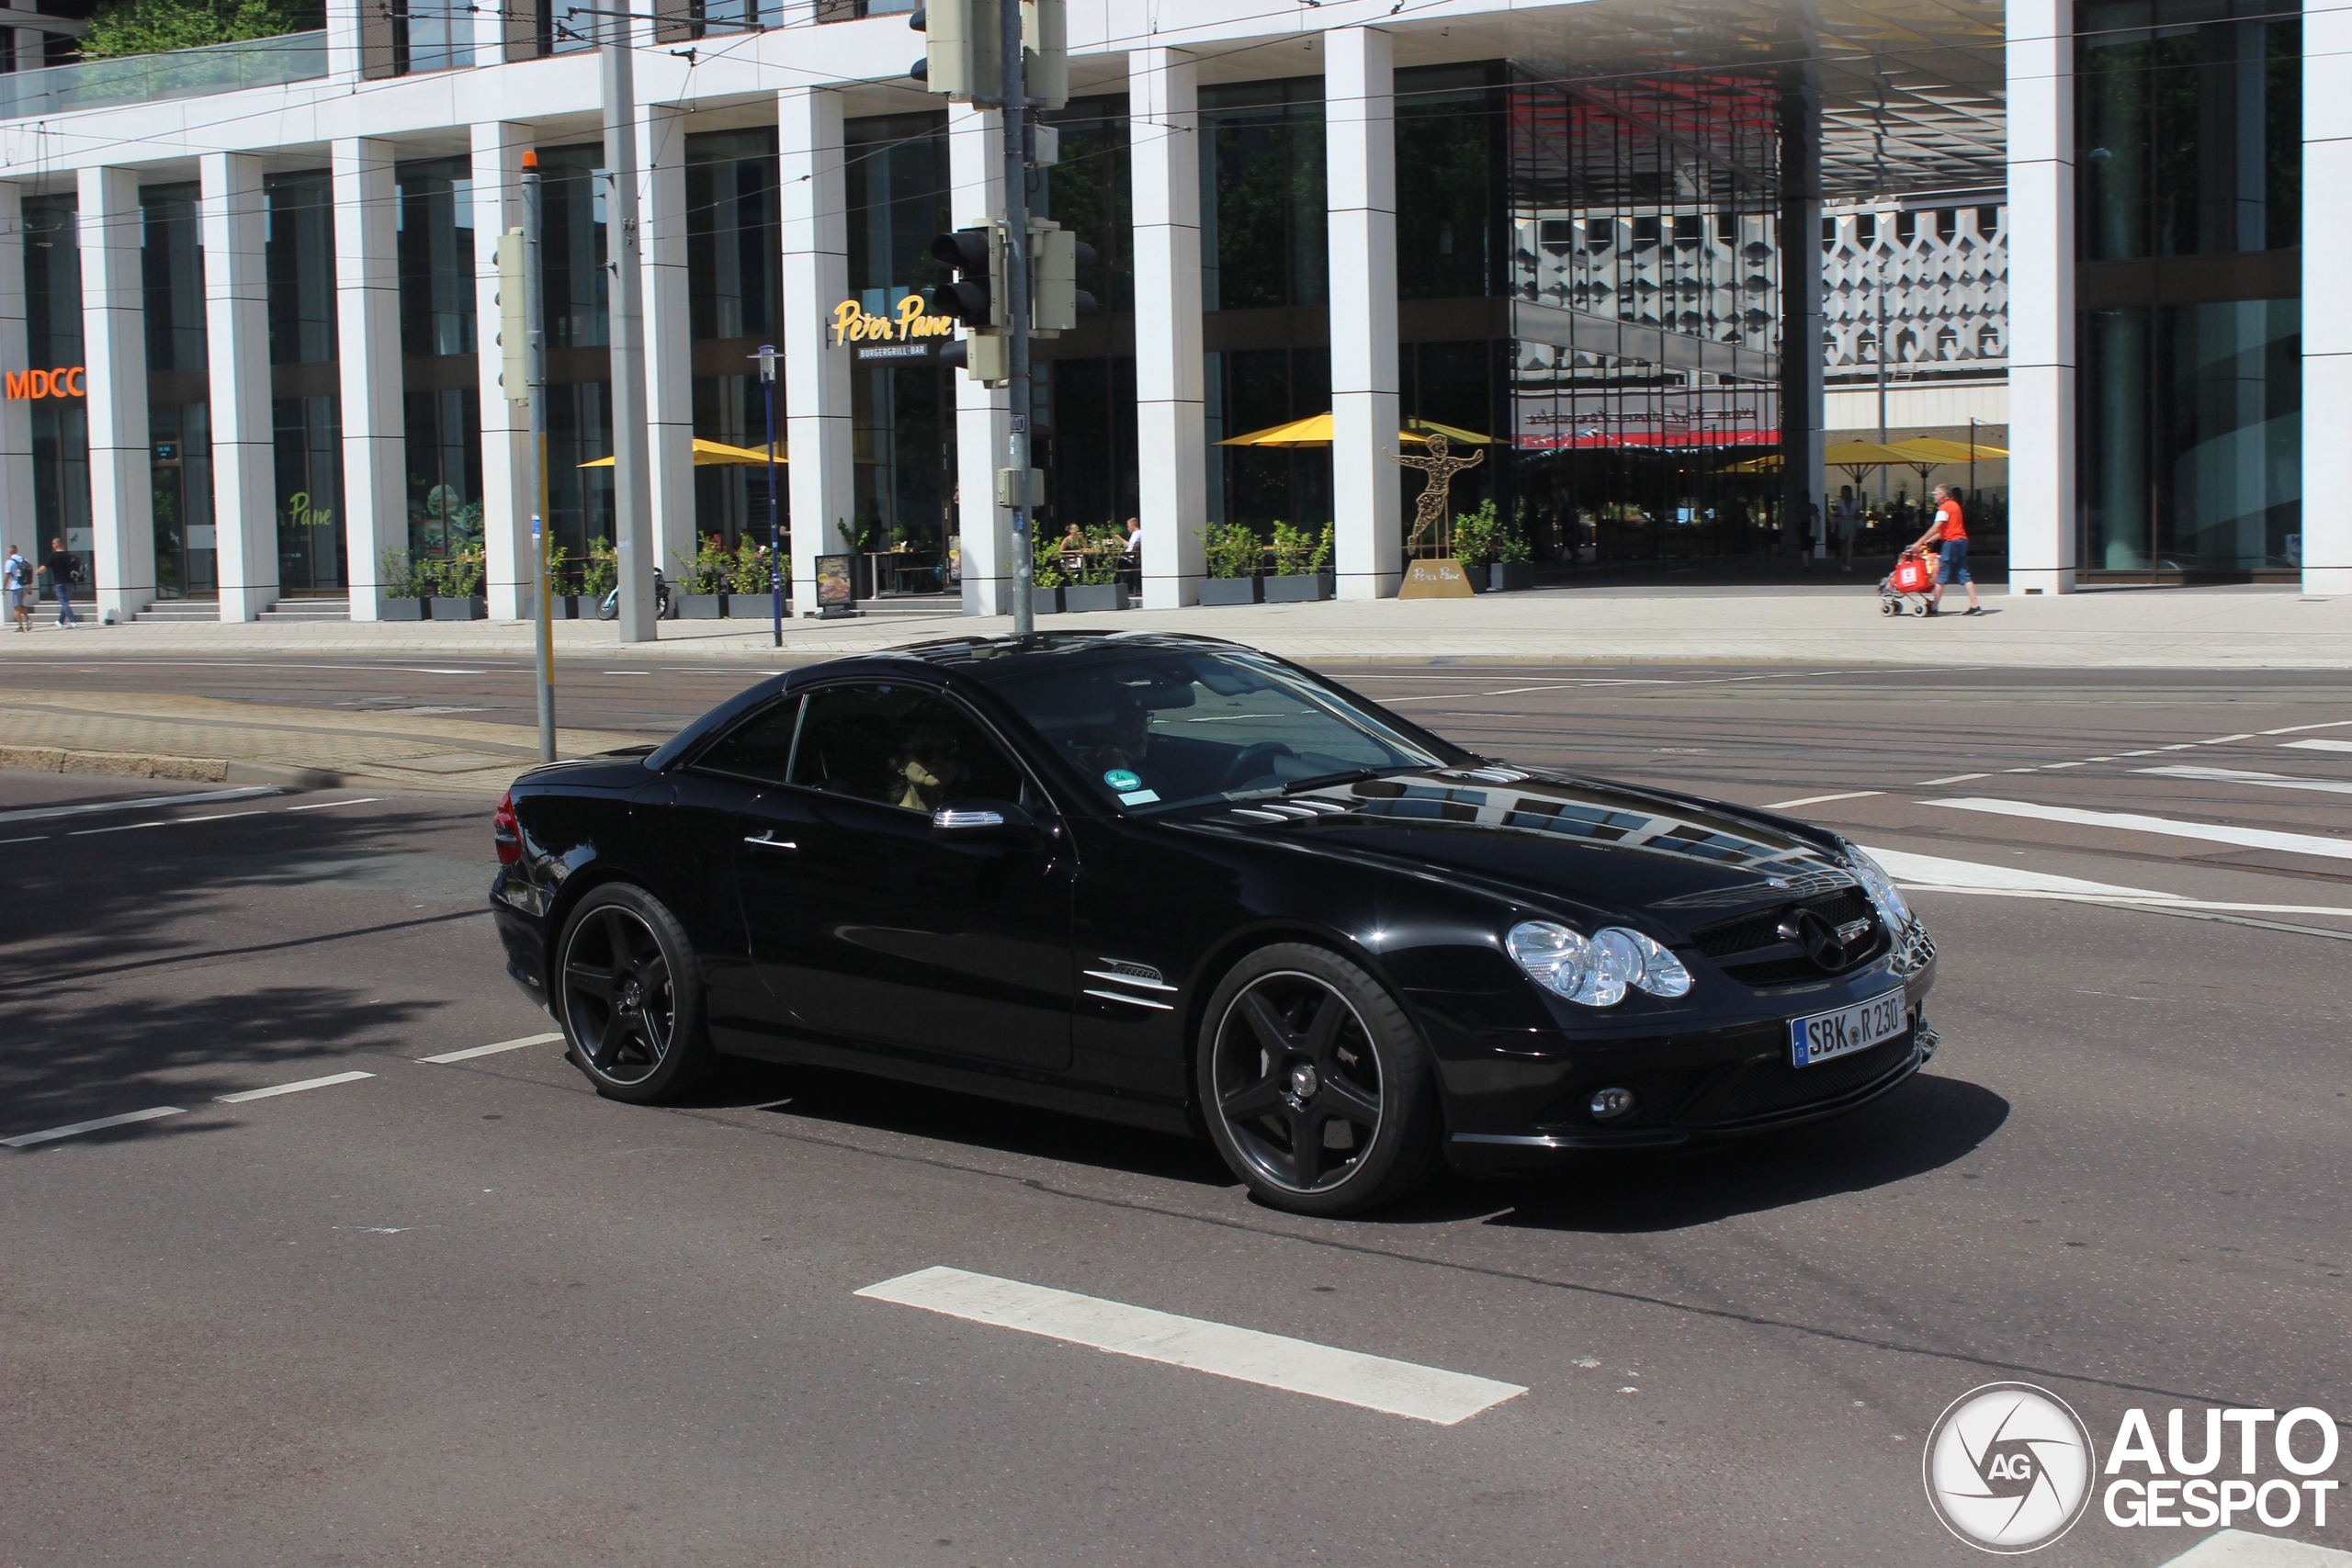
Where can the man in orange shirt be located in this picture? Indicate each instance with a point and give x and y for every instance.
(1950, 536)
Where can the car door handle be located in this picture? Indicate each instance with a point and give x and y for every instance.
(769, 841)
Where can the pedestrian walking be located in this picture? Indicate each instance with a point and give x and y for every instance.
(62, 568)
(1949, 534)
(16, 573)
(1846, 516)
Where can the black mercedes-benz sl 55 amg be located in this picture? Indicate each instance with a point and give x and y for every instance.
(1185, 884)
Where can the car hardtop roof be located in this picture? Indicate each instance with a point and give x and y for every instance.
(987, 656)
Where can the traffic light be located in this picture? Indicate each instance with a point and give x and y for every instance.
(963, 54)
(1056, 301)
(514, 319)
(977, 257)
(1044, 48)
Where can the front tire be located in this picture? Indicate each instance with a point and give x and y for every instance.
(1317, 1087)
(631, 997)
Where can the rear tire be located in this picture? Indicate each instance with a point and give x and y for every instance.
(1316, 1086)
(630, 992)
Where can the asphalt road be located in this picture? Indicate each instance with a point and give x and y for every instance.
(468, 1313)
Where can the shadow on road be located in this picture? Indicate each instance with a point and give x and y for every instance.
(854, 1100)
(1927, 1124)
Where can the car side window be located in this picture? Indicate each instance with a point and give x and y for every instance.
(899, 746)
(760, 748)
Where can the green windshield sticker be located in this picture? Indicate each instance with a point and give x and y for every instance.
(1120, 779)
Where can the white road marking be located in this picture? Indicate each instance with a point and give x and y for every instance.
(217, 817)
(119, 828)
(2047, 766)
(1273, 1360)
(322, 804)
(148, 803)
(2224, 739)
(2132, 822)
(2266, 781)
(2147, 754)
(27, 1140)
(328, 1082)
(2299, 729)
(470, 1051)
(1956, 778)
(2245, 1548)
(1818, 799)
(1933, 873)
(33, 839)
(2318, 745)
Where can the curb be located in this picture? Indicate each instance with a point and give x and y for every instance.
(146, 765)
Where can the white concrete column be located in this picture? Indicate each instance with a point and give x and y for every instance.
(342, 38)
(236, 323)
(820, 482)
(2327, 314)
(368, 323)
(510, 486)
(1171, 433)
(113, 339)
(1360, 127)
(2042, 499)
(16, 494)
(983, 418)
(668, 333)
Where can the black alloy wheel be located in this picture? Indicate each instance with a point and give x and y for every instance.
(631, 992)
(1315, 1084)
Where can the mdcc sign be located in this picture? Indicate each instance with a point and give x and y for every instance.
(65, 381)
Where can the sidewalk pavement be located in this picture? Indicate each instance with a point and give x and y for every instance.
(2251, 628)
(204, 739)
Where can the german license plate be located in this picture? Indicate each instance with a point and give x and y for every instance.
(1855, 1028)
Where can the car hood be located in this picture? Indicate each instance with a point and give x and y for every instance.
(1555, 839)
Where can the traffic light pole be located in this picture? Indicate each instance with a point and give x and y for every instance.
(535, 388)
(632, 489)
(1015, 121)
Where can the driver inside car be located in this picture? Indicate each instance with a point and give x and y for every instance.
(1119, 742)
(925, 769)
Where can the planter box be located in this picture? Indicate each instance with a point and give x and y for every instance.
(400, 610)
(1232, 591)
(1095, 596)
(1297, 589)
(700, 606)
(1510, 577)
(1045, 601)
(458, 609)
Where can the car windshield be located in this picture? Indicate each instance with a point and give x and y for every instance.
(1160, 729)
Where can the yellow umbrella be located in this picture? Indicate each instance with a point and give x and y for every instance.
(1863, 455)
(1314, 429)
(1935, 449)
(709, 452)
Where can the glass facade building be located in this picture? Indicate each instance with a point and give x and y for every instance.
(2190, 147)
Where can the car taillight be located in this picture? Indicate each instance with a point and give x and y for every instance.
(504, 832)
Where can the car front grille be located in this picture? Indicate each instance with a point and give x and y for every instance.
(1770, 961)
(1767, 1087)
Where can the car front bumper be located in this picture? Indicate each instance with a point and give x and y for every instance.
(1519, 1097)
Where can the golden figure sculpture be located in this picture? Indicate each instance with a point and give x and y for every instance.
(1433, 514)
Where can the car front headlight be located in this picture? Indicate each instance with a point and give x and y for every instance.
(1884, 895)
(1594, 973)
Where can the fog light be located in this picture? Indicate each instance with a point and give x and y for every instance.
(1609, 1104)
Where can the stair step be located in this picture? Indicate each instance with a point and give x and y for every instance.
(179, 610)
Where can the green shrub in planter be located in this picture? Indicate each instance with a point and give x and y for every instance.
(1230, 551)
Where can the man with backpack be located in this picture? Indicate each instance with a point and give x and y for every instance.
(17, 575)
(62, 569)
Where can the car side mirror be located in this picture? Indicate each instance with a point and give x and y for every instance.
(984, 821)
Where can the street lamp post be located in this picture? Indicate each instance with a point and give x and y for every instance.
(766, 356)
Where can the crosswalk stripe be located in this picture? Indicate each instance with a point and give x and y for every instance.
(49, 1134)
(2133, 822)
(1273, 1360)
(2265, 781)
(2318, 745)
